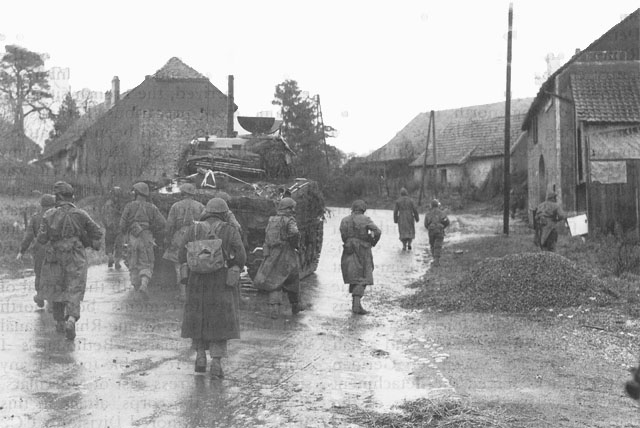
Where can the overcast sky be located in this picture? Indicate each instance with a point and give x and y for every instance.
(376, 65)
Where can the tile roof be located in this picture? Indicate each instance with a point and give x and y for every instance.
(475, 139)
(607, 97)
(547, 86)
(75, 131)
(176, 69)
(409, 142)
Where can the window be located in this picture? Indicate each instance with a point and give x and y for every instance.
(534, 129)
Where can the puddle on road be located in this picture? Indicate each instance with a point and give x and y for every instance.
(129, 366)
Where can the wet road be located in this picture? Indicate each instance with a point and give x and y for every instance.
(128, 366)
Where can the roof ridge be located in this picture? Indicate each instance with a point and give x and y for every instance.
(175, 68)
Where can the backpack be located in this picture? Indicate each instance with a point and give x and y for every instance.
(205, 255)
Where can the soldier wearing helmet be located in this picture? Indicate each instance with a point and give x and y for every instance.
(231, 218)
(66, 231)
(436, 221)
(111, 213)
(182, 214)
(405, 215)
(547, 216)
(31, 232)
(143, 223)
(359, 234)
(280, 269)
(211, 312)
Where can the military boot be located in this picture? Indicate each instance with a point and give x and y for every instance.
(38, 301)
(274, 311)
(183, 292)
(356, 306)
(216, 368)
(70, 328)
(60, 326)
(144, 285)
(201, 360)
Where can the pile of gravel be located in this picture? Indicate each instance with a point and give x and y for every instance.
(528, 281)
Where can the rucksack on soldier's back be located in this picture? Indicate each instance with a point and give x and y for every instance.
(205, 255)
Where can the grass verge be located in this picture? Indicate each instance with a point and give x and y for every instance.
(448, 412)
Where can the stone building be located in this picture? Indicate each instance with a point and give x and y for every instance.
(596, 92)
(140, 134)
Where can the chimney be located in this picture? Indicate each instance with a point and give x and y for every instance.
(107, 99)
(115, 90)
(230, 131)
(577, 51)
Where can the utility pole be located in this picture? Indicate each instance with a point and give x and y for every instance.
(324, 139)
(424, 161)
(507, 131)
(435, 155)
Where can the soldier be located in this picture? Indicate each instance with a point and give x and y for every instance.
(143, 222)
(436, 221)
(182, 214)
(280, 269)
(359, 234)
(111, 213)
(547, 216)
(405, 215)
(211, 313)
(46, 202)
(68, 230)
(231, 218)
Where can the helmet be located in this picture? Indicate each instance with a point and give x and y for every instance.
(359, 205)
(188, 188)
(141, 188)
(63, 188)
(403, 192)
(551, 196)
(47, 201)
(216, 205)
(435, 203)
(286, 203)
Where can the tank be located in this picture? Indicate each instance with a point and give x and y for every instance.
(255, 171)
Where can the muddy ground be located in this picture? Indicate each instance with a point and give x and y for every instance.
(128, 366)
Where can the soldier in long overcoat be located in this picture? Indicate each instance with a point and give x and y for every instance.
(182, 214)
(547, 216)
(30, 235)
(66, 230)
(143, 223)
(405, 215)
(436, 221)
(359, 234)
(280, 269)
(211, 312)
(113, 240)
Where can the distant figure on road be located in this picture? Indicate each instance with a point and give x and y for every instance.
(436, 221)
(405, 215)
(182, 214)
(547, 216)
(280, 269)
(143, 222)
(46, 202)
(68, 230)
(113, 240)
(211, 312)
(359, 234)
